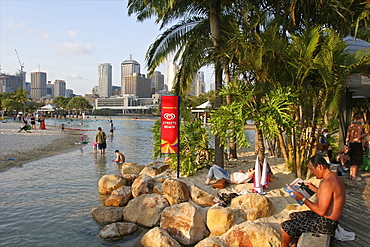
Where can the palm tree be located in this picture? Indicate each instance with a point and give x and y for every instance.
(20, 96)
(167, 11)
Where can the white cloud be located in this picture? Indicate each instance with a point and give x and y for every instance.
(68, 48)
(74, 76)
(72, 33)
(12, 25)
(45, 35)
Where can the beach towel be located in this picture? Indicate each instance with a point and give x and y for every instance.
(343, 235)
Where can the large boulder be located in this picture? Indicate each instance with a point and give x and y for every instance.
(253, 234)
(108, 183)
(212, 241)
(104, 215)
(145, 209)
(184, 223)
(252, 206)
(154, 168)
(175, 191)
(144, 184)
(130, 178)
(117, 230)
(119, 197)
(157, 189)
(219, 220)
(201, 197)
(157, 237)
(131, 168)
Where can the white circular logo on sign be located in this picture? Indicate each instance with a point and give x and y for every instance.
(169, 116)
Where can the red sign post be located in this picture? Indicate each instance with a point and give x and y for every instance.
(170, 126)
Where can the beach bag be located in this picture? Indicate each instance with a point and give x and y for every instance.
(220, 184)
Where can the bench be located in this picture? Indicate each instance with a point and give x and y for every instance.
(309, 239)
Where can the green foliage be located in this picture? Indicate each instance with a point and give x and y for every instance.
(11, 104)
(78, 103)
(271, 114)
(195, 152)
(61, 102)
(104, 112)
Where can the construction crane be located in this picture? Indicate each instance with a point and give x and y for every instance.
(20, 63)
(21, 70)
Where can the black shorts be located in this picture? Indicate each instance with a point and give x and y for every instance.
(355, 153)
(308, 221)
(102, 145)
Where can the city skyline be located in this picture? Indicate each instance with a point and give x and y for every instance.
(69, 39)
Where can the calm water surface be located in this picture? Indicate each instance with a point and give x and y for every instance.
(48, 202)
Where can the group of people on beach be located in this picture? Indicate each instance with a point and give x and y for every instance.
(32, 125)
(326, 211)
(355, 145)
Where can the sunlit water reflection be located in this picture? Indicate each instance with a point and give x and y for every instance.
(48, 202)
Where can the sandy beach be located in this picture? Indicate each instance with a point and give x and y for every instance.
(19, 148)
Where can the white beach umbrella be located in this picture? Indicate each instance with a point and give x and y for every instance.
(257, 177)
(264, 177)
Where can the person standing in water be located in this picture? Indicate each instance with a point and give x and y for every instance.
(111, 127)
(101, 138)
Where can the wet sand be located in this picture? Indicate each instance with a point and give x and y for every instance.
(19, 148)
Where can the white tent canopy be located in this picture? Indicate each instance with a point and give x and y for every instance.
(205, 105)
(48, 107)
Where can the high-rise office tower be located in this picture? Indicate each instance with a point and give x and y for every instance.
(128, 68)
(105, 80)
(138, 85)
(38, 85)
(9, 83)
(59, 88)
(171, 73)
(49, 88)
(158, 79)
(198, 86)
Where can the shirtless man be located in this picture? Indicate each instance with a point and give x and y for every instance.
(354, 140)
(120, 158)
(324, 215)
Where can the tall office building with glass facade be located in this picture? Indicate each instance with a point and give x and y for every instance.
(38, 85)
(105, 80)
(59, 88)
(128, 68)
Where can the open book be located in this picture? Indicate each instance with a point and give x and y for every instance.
(299, 186)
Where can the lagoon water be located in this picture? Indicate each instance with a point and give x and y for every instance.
(48, 202)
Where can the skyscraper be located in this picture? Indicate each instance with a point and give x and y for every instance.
(105, 80)
(158, 79)
(171, 73)
(128, 68)
(198, 86)
(138, 85)
(9, 83)
(38, 85)
(59, 88)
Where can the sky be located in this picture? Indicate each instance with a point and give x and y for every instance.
(68, 39)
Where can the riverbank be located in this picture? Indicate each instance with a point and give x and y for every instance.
(19, 148)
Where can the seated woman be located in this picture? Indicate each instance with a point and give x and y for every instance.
(234, 178)
(343, 158)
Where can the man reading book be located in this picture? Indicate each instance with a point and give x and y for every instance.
(324, 215)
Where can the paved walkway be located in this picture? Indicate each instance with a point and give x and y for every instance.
(356, 214)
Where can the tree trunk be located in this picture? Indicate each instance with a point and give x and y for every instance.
(229, 99)
(261, 146)
(214, 19)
